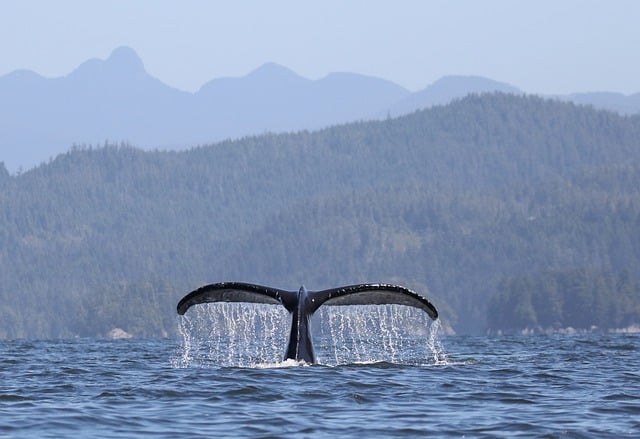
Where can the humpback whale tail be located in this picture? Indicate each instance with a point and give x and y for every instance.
(302, 304)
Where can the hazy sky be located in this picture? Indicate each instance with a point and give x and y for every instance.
(541, 46)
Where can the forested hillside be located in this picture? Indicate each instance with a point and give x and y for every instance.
(459, 202)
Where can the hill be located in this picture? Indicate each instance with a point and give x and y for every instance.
(457, 201)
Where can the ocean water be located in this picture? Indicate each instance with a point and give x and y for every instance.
(584, 385)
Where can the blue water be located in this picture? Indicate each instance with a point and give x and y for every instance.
(526, 386)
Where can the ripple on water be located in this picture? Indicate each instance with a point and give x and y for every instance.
(491, 387)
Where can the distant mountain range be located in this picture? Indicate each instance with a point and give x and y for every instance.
(117, 100)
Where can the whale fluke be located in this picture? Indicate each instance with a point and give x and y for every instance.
(374, 294)
(234, 292)
(302, 304)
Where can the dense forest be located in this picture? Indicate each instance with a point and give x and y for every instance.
(509, 212)
(565, 300)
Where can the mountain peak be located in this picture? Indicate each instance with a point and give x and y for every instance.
(271, 70)
(470, 84)
(123, 61)
(125, 58)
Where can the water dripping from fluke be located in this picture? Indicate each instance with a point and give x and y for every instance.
(235, 324)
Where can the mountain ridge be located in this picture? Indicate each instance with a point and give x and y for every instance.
(116, 99)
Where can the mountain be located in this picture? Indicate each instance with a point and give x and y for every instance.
(117, 100)
(275, 99)
(100, 100)
(447, 89)
(470, 203)
(618, 102)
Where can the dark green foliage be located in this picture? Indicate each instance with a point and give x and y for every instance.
(554, 300)
(458, 202)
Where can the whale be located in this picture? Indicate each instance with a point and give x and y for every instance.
(302, 304)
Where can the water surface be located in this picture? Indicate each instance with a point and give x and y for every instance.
(527, 386)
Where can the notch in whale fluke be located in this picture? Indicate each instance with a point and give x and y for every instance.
(302, 304)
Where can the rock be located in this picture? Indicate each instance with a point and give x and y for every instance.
(117, 334)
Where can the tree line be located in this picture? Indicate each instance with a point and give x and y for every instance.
(553, 300)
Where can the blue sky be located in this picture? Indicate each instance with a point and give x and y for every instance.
(541, 46)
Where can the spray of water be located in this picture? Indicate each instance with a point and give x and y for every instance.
(232, 334)
(376, 333)
(255, 335)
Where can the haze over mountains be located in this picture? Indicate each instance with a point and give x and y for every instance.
(117, 100)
